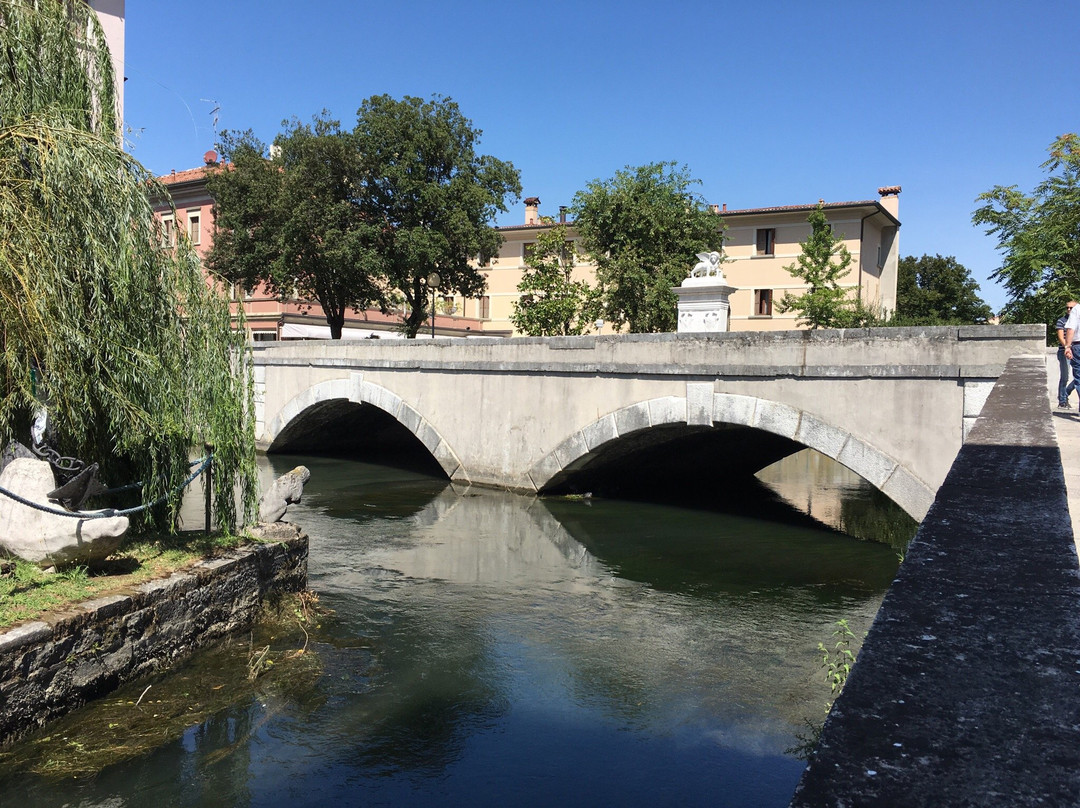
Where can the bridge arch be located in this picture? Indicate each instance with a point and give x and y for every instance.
(327, 397)
(703, 410)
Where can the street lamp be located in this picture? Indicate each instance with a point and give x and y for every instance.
(434, 281)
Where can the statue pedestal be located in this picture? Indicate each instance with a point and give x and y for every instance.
(703, 304)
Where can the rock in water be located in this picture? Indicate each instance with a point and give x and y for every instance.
(44, 538)
(287, 488)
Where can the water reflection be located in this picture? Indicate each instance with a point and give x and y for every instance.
(488, 648)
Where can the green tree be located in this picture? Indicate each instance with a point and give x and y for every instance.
(292, 220)
(822, 264)
(1039, 236)
(552, 302)
(430, 196)
(643, 229)
(932, 290)
(122, 339)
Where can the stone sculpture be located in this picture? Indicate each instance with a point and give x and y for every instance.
(46, 539)
(708, 265)
(287, 488)
(704, 296)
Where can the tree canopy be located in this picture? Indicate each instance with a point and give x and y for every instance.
(430, 196)
(346, 218)
(291, 219)
(1039, 236)
(932, 290)
(552, 302)
(119, 337)
(643, 228)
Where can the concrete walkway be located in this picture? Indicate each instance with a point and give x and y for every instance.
(1067, 427)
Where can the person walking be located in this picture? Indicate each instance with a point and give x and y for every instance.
(1064, 385)
(1071, 339)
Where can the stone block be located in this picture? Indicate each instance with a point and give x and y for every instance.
(338, 388)
(633, 418)
(572, 450)
(780, 419)
(428, 436)
(734, 409)
(699, 403)
(909, 492)
(409, 418)
(667, 410)
(382, 398)
(542, 473)
(818, 435)
(447, 459)
(600, 432)
(868, 463)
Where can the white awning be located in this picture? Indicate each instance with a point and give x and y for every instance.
(303, 331)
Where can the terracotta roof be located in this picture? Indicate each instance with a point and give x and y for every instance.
(188, 175)
(797, 208)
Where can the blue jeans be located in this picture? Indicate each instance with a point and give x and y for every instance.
(1064, 385)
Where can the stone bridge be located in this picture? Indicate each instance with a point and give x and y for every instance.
(548, 414)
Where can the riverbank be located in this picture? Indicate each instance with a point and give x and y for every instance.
(67, 656)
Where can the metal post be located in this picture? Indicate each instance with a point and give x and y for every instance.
(208, 484)
(433, 281)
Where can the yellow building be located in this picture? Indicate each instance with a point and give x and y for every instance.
(761, 242)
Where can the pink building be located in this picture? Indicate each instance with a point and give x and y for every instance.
(268, 317)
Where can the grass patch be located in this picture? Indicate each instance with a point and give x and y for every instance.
(27, 592)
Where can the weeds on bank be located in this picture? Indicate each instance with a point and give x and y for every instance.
(305, 610)
(27, 591)
(837, 664)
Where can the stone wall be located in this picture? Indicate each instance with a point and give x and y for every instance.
(966, 688)
(50, 667)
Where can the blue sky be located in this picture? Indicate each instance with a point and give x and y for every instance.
(768, 103)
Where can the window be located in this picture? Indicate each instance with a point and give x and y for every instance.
(766, 240)
(193, 227)
(485, 307)
(264, 336)
(527, 249)
(168, 231)
(763, 302)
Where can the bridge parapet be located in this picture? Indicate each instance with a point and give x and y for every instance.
(925, 352)
(965, 689)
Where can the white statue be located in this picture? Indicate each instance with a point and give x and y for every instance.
(708, 265)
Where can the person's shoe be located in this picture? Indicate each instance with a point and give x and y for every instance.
(1063, 405)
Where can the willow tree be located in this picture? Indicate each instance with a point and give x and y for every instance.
(120, 338)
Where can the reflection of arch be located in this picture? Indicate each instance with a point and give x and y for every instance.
(877, 468)
(357, 391)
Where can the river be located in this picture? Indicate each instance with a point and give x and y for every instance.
(477, 647)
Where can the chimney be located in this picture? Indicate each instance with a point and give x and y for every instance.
(532, 210)
(562, 214)
(890, 199)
